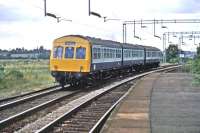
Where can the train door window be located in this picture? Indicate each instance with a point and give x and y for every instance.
(136, 54)
(54, 52)
(94, 51)
(140, 53)
(98, 53)
(110, 51)
(113, 53)
(80, 53)
(118, 53)
(133, 53)
(59, 52)
(107, 53)
(125, 54)
(154, 54)
(104, 53)
(129, 53)
(148, 54)
(69, 52)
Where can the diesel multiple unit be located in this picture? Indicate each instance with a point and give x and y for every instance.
(77, 59)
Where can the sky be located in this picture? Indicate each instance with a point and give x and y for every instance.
(23, 24)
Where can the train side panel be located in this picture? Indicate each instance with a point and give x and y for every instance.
(106, 58)
(133, 56)
(153, 56)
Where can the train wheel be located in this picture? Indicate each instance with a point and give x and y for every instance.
(63, 86)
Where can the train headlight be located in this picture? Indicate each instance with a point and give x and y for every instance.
(81, 68)
(54, 74)
(55, 67)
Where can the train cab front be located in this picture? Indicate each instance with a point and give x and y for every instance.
(70, 60)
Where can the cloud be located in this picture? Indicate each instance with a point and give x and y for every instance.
(189, 6)
(15, 10)
(8, 14)
(22, 22)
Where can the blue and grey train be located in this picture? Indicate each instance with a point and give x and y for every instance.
(76, 58)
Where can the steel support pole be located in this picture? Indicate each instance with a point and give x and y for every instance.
(123, 32)
(45, 8)
(163, 47)
(89, 7)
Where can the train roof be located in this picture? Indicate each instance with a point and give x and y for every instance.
(98, 41)
(151, 48)
(135, 46)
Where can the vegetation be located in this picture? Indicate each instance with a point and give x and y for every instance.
(198, 52)
(21, 53)
(193, 66)
(172, 54)
(18, 76)
(196, 70)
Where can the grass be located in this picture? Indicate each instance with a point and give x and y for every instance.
(20, 76)
(193, 66)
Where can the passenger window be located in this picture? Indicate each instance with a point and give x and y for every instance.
(80, 53)
(69, 52)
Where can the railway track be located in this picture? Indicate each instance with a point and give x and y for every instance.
(88, 115)
(13, 99)
(46, 116)
(27, 96)
(12, 108)
(85, 117)
(17, 121)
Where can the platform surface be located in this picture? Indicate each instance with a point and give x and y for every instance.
(160, 103)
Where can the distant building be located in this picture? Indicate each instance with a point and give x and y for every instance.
(187, 54)
(45, 54)
(25, 55)
(4, 54)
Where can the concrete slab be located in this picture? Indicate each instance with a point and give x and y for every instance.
(160, 103)
(175, 104)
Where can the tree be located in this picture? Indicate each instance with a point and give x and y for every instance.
(41, 48)
(172, 53)
(198, 52)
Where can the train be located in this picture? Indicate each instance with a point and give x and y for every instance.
(78, 60)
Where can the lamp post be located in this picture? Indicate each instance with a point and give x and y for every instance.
(53, 15)
(45, 8)
(124, 32)
(89, 7)
(91, 12)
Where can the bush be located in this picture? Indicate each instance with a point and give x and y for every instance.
(2, 74)
(196, 70)
(196, 66)
(174, 60)
(14, 75)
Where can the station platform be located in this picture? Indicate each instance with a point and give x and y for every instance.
(159, 103)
